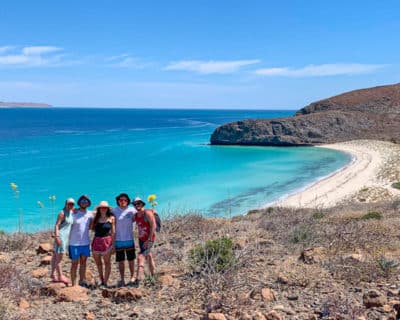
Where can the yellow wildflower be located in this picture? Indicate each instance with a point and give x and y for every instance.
(13, 186)
(154, 203)
(151, 198)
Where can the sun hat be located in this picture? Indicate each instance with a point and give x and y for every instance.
(70, 200)
(103, 204)
(122, 195)
(137, 199)
(84, 197)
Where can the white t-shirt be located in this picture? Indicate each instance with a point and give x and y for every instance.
(79, 235)
(124, 223)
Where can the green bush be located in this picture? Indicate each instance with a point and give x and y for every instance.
(372, 215)
(2, 232)
(387, 266)
(301, 234)
(318, 215)
(396, 185)
(215, 255)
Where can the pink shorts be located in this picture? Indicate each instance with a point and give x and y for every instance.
(102, 245)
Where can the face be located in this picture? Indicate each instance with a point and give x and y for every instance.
(70, 205)
(138, 205)
(84, 203)
(123, 202)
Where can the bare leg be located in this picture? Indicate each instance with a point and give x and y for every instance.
(82, 268)
(97, 259)
(74, 268)
(140, 268)
(150, 261)
(121, 267)
(132, 269)
(107, 267)
(53, 266)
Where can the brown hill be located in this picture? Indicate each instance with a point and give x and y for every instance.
(372, 113)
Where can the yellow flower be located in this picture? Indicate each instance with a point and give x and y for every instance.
(154, 203)
(151, 198)
(52, 198)
(40, 204)
(13, 186)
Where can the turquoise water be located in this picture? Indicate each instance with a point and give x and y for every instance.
(102, 152)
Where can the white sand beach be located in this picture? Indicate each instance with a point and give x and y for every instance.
(368, 178)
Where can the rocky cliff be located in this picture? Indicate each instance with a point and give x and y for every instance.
(372, 113)
(24, 104)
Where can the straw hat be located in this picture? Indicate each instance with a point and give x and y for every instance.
(103, 204)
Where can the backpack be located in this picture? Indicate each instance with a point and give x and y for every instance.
(156, 218)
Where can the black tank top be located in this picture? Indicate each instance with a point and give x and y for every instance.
(102, 229)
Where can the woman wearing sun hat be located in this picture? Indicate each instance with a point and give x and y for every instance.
(79, 241)
(62, 229)
(103, 226)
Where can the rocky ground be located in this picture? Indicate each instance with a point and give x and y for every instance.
(338, 263)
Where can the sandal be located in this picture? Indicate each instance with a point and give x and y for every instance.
(54, 279)
(64, 280)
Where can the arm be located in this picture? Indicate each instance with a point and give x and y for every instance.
(152, 222)
(60, 219)
(113, 230)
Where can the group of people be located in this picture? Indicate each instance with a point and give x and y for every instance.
(113, 233)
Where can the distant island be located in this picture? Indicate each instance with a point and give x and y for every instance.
(372, 113)
(24, 104)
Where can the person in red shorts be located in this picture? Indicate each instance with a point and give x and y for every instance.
(103, 226)
(146, 226)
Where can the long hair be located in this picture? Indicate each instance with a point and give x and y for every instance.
(98, 214)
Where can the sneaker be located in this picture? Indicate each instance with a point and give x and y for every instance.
(103, 286)
(136, 283)
(84, 284)
(120, 284)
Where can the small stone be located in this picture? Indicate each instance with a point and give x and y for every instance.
(387, 308)
(258, 316)
(313, 255)
(44, 248)
(23, 304)
(216, 316)
(292, 297)
(268, 295)
(374, 298)
(273, 315)
(90, 316)
(4, 258)
(283, 279)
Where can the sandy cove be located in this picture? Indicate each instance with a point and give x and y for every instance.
(374, 167)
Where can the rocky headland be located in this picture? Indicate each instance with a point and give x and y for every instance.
(372, 113)
(24, 105)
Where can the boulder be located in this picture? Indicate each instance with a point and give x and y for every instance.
(39, 273)
(89, 316)
(268, 295)
(122, 294)
(44, 248)
(313, 255)
(73, 294)
(52, 289)
(216, 316)
(374, 298)
(46, 261)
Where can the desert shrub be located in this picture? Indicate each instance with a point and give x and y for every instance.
(2, 232)
(270, 210)
(371, 215)
(318, 215)
(213, 256)
(300, 234)
(387, 266)
(396, 185)
(14, 242)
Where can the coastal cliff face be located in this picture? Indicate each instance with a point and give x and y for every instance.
(372, 113)
(24, 104)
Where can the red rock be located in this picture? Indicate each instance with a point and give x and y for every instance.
(40, 273)
(216, 316)
(44, 248)
(374, 298)
(46, 261)
(167, 280)
(23, 304)
(273, 315)
(73, 294)
(122, 294)
(52, 289)
(90, 316)
(268, 295)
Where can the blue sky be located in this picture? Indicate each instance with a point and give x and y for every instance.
(195, 54)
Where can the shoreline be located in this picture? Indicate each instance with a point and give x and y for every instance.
(372, 168)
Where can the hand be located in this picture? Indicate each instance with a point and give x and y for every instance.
(58, 241)
(148, 244)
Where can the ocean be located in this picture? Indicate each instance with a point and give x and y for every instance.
(66, 152)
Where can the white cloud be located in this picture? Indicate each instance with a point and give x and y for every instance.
(126, 61)
(39, 50)
(322, 70)
(32, 56)
(209, 67)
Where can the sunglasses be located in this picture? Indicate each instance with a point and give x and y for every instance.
(70, 203)
(138, 204)
(84, 201)
(123, 200)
